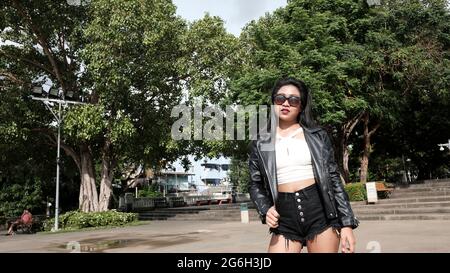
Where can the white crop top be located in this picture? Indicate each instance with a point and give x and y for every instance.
(293, 159)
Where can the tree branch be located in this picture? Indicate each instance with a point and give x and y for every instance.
(40, 39)
(67, 149)
(350, 125)
(374, 129)
(39, 65)
(62, 49)
(11, 76)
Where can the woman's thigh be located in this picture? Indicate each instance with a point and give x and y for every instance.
(325, 242)
(278, 245)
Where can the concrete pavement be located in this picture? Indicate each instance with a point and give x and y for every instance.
(226, 237)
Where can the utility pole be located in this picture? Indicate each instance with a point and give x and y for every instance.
(48, 102)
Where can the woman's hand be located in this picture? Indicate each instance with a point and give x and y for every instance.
(272, 217)
(348, 241)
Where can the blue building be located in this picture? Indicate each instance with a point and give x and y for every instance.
(202, 175)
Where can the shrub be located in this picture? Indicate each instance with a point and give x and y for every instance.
(356, 191)
(150, 191)
(78, 219)
(16, 197)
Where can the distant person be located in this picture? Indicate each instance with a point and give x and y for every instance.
(25, 219)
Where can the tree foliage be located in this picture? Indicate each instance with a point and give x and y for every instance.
(365, 65)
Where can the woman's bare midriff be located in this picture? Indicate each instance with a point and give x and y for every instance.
(296, 185)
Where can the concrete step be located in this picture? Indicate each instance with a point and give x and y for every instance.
(422, 189)
(235, 219)
(387, 217)
(230, 206)
(218, 219)
(384, 211)
(181, 209)
(208, 207)
(442, 183)
(165, 212)
(216, 216)
(395, 194)
(154, 218)
(223, 212)
(444, 180)
(412, 199)
(403, 205)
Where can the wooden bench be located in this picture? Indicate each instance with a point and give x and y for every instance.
(225, 201)
(20, 228)
(383, 190)
(213, 201)
(30, 228)
(203, 202)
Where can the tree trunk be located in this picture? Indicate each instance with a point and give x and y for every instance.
(107, 176)
(88, 192)
(367, 147)
(88, 198)
(347, 129)
(365, 160)
(345, 170)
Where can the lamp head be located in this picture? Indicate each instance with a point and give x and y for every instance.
(37, 91)
(53, 92)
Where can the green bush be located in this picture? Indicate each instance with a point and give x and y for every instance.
(17, 197)
(356, 191)
(150, 191)
(78, 219)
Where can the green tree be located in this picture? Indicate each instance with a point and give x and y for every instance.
(130, 61)
(45, 39)
(126, 71)
(133, 61)
(360, 61)
(239, 175)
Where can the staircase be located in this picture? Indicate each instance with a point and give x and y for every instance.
(223, 212)
(427, 201)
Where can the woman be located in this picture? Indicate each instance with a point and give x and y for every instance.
(295, 183)
(26, 219)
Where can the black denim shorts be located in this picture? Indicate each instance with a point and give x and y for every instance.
(302, 216)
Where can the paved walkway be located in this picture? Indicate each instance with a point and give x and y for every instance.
(216, 237)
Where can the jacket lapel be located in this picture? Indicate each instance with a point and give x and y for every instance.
(266, 149)
(315, 146)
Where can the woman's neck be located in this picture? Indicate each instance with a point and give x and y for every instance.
(287, 126)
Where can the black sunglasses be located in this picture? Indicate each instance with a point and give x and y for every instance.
(294, 101)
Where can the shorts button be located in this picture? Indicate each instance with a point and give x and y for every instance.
(299, 200)
(303, 219)
(301, 213)
(299, 207)
(297, 194)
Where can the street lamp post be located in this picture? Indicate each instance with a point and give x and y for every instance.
(444, 145)
(58, 117)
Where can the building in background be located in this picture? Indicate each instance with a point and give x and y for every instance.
(203, 176)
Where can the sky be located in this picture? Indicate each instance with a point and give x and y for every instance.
(235, 13)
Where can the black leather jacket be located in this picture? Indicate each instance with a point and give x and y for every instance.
(263, 179)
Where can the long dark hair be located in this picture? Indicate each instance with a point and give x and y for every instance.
(305, 118)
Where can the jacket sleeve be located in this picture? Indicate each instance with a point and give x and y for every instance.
(342, 201)
(258, 192)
